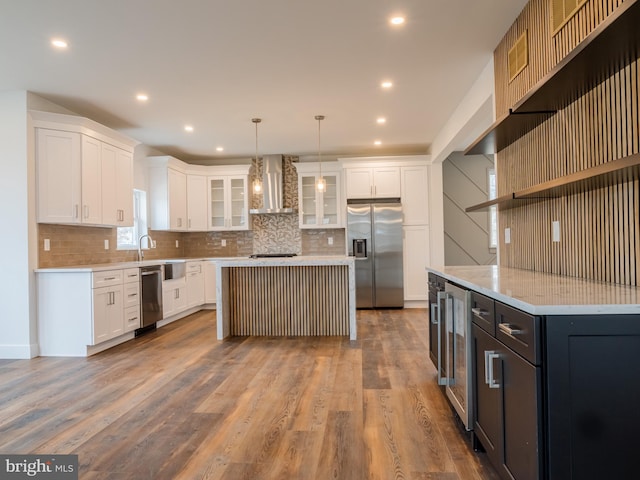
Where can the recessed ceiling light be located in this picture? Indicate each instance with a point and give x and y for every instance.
(188, 128)
(59, 43)
(377, 143)
(381, 120)
(142, 97)
(387, 84)
(397, 20)
(219, 149)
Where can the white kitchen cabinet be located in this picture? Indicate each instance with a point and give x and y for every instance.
(174, 297)
(195, 284)
(319, 209)
(209, 281)
(168, 197)
(196, 203)
(228, 202)
(415, 195)
(91, 172)
(415, 260)
(108, 313)
(373, 182)
(117, 186)
(131, 299)
(81, 179)
(58, 177)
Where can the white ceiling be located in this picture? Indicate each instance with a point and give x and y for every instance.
(215, 64)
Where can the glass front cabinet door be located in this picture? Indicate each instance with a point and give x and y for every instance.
(318, 208)
(228, 203)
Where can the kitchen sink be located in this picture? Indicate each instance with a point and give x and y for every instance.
(176, 269)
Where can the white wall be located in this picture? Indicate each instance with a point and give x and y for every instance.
(18, 242)
(474, 114)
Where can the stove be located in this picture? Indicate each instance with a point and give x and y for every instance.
(272, 255)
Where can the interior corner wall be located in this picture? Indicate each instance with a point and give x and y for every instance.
(466, 234)
(18, 334)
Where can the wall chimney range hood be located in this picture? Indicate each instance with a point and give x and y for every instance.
(272, 186)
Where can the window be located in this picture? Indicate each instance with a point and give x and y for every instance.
(493, 211)
(128, 236)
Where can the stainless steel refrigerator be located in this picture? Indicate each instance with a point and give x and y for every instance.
(374, 237)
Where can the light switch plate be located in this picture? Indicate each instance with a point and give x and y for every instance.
(223, 242)
(330, 240)
(106, 244)
(177, 243)
(47, 244)
(507, 235)
(555, 231)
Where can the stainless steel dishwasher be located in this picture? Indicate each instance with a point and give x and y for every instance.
(151, 287)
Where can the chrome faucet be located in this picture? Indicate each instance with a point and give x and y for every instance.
(140, 252)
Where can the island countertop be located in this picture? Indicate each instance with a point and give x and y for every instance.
(301, 260)
(543, 293)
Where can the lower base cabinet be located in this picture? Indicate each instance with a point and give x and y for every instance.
(174, 297)
(108, 313)
(508, 408)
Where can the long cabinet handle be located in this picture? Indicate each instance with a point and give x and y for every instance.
(434, 318)
(441, 352)
(478, 312)
(506, 328)
(77, 211)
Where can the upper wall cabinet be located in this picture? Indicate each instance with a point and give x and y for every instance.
(187, 197)
(84, 172)
(319, 209)
(373, 182)
(415, 195)
(228, 202)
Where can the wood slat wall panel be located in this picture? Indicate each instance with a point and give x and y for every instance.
(600, 228)
(290, 301)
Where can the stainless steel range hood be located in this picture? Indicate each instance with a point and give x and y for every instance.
(272, 186)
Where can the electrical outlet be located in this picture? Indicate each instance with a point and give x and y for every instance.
(106, 244)
(330, 240)
(177, 243)
(47, 244)
(507, 235)
(223, 242)
(555, 231)
(153, 244)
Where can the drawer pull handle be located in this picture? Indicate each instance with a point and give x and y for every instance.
(109, 278)
(133, 294)
(506, 328)
(132, 319)
(478, 312)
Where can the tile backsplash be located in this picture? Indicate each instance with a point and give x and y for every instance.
(72, 245)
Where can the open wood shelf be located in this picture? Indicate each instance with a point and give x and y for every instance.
(609, 173)
(607, 49)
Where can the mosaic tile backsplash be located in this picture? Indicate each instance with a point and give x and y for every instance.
(81, 245)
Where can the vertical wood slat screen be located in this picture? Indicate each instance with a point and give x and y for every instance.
(290, 301)
(600, 228)
(545, 49)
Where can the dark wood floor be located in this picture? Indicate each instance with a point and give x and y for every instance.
(178, 404)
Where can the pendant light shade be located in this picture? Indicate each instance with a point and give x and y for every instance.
(321, 185)
(257, 182)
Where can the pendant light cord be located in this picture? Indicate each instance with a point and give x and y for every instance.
(319, 118)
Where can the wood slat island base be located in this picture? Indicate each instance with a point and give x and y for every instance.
(297, 296)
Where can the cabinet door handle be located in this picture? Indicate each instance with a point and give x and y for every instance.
(76, 213)
(434, 318)
(478, 312)
(189, 223)
(86, 211)
(490, 357)
(506, 328)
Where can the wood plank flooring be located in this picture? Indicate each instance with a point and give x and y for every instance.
(178, 404)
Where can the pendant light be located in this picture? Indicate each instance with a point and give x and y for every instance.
(321, 185)
(257, 182)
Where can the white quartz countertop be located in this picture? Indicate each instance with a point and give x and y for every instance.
(302, 260)
(543, 293)
(101, 267)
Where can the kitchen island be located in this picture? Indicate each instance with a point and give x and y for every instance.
(553, 363)
(292, 296)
